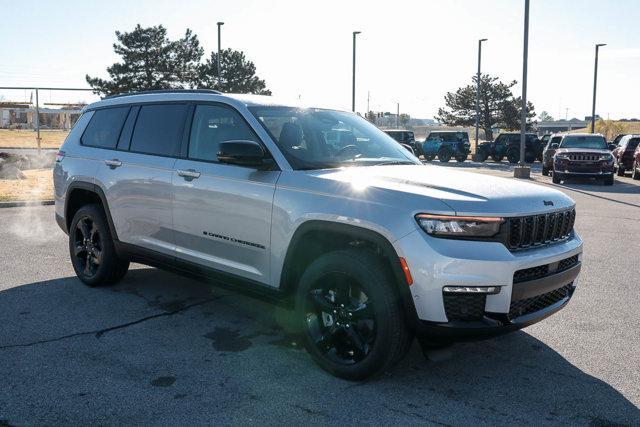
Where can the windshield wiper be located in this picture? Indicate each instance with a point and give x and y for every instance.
(394, 162)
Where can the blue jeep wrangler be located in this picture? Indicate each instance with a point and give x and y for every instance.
(446, 144)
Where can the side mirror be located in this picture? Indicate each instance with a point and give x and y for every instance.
(554, 146)
(242, 153)
(612, 146)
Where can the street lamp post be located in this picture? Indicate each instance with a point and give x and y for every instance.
(353, 81)
(220, 24)
(478, 92)
(523, 171)
(595, 85)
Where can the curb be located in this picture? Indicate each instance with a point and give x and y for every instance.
(18, 204)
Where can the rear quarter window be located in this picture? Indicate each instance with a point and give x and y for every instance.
(159, 129)
(104, 128)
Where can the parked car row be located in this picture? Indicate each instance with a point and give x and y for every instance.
(589, 155)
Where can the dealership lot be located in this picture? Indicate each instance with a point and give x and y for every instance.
(164, 348)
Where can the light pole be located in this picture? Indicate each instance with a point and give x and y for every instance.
(478, 92)
(522, 171)
(595, 85)
(220, 24)
(353, 81)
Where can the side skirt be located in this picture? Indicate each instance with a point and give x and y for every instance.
(208, 275)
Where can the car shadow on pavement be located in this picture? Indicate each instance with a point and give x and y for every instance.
(169, 349)
(489, 164)
(620, 186)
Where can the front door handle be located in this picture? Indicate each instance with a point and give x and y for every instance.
(189, 174)
(114, 163)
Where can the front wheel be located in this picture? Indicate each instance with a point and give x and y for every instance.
(444, 155)
(91, 248)
(513, 155)
(461, 158)
(348, 310)
(429, 157)
(497, 158)
(620, 170)
(556, 178)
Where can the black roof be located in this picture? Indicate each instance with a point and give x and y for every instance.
(145, 92)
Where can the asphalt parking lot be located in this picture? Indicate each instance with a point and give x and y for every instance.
(162, 349)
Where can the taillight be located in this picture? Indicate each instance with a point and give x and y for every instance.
(59, 156)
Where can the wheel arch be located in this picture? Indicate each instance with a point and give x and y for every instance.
(81, 193)
(315, 237)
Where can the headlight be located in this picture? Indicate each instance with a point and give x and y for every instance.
(459, 226)
(562, 157)
(607, 157)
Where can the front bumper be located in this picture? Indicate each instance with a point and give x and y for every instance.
(435, 263)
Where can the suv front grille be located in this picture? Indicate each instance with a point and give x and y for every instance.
(578, 157)
(536, 230)
(531, 305)
(541, 271)
(464, 307)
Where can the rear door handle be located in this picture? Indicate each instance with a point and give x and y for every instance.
(189, 174)
(114, 163)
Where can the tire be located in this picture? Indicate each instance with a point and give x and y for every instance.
(635, 174)
(608, 180)
(545, 171)
(461, 158)
(348, 348)
(91, 248)
(482, 155)
(556, 178)
(513, 155)
(620, 170)
(497, 158)
(429, 157)
(444, 155)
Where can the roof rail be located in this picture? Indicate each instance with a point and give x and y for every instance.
(145, 92)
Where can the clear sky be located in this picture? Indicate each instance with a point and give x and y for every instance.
(411, 52)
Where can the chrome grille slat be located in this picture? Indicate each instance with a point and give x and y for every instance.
(536, 230)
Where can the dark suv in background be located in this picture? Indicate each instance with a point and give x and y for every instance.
(446, 144)
(405, 137)
(583, 155)
(548, 152)
(508, 145)
(623, 153)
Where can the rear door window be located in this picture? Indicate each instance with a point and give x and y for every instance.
(105, 126)
(213, 124)
(159, 129)
(632, 144)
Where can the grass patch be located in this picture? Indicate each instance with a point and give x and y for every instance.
(37, 186)
(22, 138)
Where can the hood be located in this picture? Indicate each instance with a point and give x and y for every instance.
(583, 150)
(465, 193)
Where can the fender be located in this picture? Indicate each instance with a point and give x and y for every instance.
(93, 188)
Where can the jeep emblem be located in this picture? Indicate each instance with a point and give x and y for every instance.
(547, 202)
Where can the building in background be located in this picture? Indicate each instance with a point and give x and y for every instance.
(554, 126)
(22, 115)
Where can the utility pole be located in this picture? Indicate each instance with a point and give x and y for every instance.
(595, 86)
(523, 171)
(353, 76)
(478, 93)
(38, 139)
(219, 24)
(398, 116)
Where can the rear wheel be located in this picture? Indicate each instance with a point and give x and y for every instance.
(347, 308)
(444, 155)
(91, 248)
(635, 174)
(429, 157)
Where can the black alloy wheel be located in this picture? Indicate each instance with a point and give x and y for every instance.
(340, 319)
(87, 248)
(444, 155)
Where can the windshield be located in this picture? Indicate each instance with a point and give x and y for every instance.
(587, 141)
(319, 139)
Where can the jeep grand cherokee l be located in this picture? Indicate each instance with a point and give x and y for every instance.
(583, 155)
(369, 247)
(623, 154)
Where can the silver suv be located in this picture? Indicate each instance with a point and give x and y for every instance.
(369, 247)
